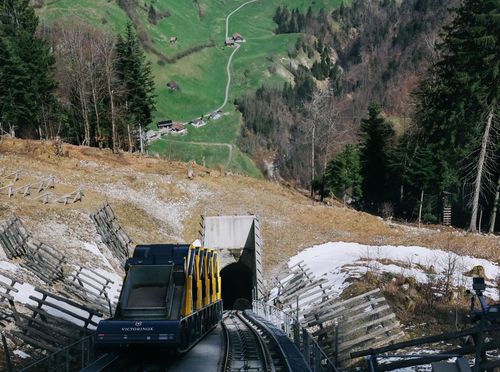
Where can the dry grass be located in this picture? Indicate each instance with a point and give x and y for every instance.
(290, 221)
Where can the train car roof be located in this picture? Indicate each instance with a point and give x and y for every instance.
(159, 254)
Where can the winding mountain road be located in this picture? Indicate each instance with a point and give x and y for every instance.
(230, 60)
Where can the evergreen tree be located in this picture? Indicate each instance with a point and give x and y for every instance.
(343, 175)
(135, 74)
(377, 134)
(152, 16)
(462, 89)
(26, 76)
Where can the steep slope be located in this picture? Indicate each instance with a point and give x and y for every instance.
(155, 202)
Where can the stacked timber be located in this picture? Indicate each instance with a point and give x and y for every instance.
(111, 232)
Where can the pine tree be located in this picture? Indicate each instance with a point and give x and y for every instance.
(343, 175)
(461, 92)
(26, 76)
(152, 16)
(135, 74)
(377, 136)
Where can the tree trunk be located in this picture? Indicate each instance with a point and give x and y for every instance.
(113, 120)
(97, 121)
(129, 139)
(479, 175)
(495, 208)
(312, 158)
(85, 116)
(420, 208)
(142, 139)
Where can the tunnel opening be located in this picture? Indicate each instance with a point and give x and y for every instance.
(237, 285)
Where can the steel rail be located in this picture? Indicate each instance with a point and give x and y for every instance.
(242, 326)
(268, 360)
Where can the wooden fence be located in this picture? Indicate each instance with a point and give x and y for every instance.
(111, 232)
(40, 188)
(340, 327)
(486, 338)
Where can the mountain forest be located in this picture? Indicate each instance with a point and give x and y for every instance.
(390, 107)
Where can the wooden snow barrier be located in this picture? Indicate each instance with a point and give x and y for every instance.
(46, 329)
(50, 265)
(44, 261)
(41, 188)
(13, 238)
(340, 327)
(300, 285)
(111, 232)
(89, 287)
(51, 323)
(14, 176)
(72, 197)
(8, 311)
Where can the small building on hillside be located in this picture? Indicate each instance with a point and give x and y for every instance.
(237, 37)
(215, 115)
(172, 85)
(178, 128)
(229, 42)
(198, 123)
(164, 124)
(173, 39)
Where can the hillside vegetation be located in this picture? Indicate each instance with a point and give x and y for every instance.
(201, 71)
(155, 202)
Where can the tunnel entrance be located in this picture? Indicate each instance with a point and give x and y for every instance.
(236, 286)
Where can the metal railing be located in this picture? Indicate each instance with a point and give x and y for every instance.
(315, 357)
(71, 358)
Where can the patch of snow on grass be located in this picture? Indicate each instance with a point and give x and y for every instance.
(339, 261)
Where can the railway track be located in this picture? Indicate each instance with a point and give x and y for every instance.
(248, 347)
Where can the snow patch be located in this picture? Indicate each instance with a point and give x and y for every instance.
(21, 354)
(338, 261)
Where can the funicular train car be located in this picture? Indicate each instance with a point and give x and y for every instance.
(171, 296)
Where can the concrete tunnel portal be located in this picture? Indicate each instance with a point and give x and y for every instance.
(237, 286)
(238, 244)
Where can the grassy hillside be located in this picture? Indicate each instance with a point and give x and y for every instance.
(201, 76)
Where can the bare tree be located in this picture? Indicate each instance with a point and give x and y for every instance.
(106, 50)
(479, 172)
(328, 132)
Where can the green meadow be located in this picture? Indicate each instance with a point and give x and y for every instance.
(200, 76)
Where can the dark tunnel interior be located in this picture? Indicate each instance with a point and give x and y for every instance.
(236, 286)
